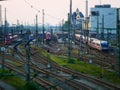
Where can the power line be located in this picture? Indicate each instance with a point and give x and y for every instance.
(39, 10)
(53, 16)
(32, 6)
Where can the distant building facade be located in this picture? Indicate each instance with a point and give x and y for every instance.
(77, 18)
(103, 19)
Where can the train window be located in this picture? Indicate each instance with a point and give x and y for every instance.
(91, 40)
(94, 13)
(93, 43)
(98, 44)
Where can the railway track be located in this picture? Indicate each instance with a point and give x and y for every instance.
(98, 57)
(22, 71)
(43, 60)
(46, 84)
(108, 57)
(77, 86)
(66, 70)
(44, 71)
(74, 84)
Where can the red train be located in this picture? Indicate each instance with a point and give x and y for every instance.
(48, 36)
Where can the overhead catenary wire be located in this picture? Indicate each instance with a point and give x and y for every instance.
(27, 2)
(32, 6)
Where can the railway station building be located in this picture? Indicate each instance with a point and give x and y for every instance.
(77, 18)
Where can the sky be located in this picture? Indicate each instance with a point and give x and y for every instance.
(55, 10)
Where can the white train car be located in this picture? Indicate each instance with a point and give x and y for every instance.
(94, 43)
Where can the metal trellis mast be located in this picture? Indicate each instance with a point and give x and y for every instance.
(86, 26)
(28, 62)
(3, 48)
(36, 29)
(102, 33)
(43, 25)
(5, 27)
(97, 26)
(28, 54)
(69, 30)
(118, 39)
(62, 29)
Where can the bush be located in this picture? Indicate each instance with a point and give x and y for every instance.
(71, 61)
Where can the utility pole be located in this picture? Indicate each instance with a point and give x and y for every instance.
(0, 15)
(43, 25)
(5, 27)
(36, 30)
(97, 25)
(102, 33)
(17, 27)
(3, 47)
(69, 30)
(51, 31)
(62, 29)
(27, 47)
(118, 40)
(28, 62)
(86, 26)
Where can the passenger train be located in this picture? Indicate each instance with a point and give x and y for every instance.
(48, 36)
(9, 39)
(100, 45)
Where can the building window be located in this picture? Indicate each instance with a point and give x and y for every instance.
(94, 13)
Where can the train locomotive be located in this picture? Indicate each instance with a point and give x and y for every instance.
(48, 37)
(100, 45)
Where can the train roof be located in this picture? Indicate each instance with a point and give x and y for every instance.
(15, 36)
(94, 40)
(78, 35)
(98, 41)
(104, 42)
